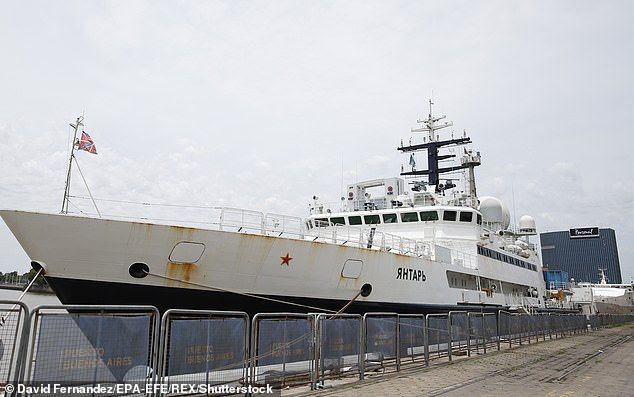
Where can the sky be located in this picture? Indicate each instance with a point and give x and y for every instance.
(264, 104)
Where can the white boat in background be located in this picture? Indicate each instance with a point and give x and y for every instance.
(420, 245)
(604, 298)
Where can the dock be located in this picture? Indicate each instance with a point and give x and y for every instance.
(123, 350)
(597, 363)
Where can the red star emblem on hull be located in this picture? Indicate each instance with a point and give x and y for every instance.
(286, 260)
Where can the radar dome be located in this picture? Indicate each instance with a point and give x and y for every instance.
(527, 224)
(492, 210)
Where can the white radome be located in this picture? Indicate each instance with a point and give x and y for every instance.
(527, 224)
(492, 210)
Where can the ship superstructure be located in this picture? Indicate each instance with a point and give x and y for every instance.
(448, 226)
(420, 245)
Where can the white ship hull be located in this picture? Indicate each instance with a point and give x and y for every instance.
(87, 261)
(604, 298)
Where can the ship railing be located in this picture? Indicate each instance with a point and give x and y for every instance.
(446, 251)
(558, 285)
(283, 225)
(277, 225)
(369, 239)
(270, 224)
(236, 219)
(372, 204)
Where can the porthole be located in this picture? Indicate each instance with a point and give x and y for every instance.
(139, 270)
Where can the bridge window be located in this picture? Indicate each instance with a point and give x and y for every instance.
(449, 215)
(340, 220)
(321, 222)
(428, 216)
(389, 218)
(409, 217)
(479, 219)
(466, 216)
(354, 220)
(371, 219)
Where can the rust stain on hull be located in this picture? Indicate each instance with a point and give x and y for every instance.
(181, 271)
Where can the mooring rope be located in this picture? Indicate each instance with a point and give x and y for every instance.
(282, 345)
(4, 317)
(241, 293)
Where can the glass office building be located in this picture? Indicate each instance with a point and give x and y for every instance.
(582, 252)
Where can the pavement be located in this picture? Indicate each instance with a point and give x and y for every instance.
(597, 363)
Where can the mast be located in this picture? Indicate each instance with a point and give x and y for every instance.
(78, 123)
(432, 143)
(471, 160)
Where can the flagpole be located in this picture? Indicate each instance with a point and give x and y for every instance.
(76, 126)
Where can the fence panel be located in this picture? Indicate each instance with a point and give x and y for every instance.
(459, 323)
(204, 347)
(381, 341)
(438, 338)
(338, 352)
(477, 339)
(504, 327)
(491, 329)
(282, 349)
(14, 324)
(89, 345)
(412, 338)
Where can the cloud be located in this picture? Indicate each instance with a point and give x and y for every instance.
(257, 104)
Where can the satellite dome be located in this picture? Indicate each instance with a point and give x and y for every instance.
(492, 210)
(527, 224)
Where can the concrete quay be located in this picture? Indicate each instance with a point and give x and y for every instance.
(597, 363)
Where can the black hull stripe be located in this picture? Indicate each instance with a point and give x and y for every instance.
(77, 292)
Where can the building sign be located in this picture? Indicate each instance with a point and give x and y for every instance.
(584, 232)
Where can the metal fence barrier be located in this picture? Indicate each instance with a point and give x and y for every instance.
(477, 333)
(282, 349)
(338, 352)
(204, 347)
(412, 339)
(90, 345)
(504, 327)
(438, 336)
(14, 316)
(491, 330)
(381, 342)
(459, 323)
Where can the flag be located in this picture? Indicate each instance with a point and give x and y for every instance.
(412, 162)
(86, 143)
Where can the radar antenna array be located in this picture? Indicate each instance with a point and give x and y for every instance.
(432, 144)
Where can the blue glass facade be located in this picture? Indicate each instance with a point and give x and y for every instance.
(582, 257)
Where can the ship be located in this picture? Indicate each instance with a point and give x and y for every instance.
(603, 297)
(419, 242)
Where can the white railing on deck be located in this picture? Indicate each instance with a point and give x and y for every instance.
(246, 221)
(277, 225)
(284, 226)
(459, 257)
(369, 239)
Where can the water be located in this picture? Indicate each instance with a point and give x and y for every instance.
(30, 299)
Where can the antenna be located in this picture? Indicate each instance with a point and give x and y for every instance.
(432, 143)
(514, 211)
(342, 188)
(76, 125)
